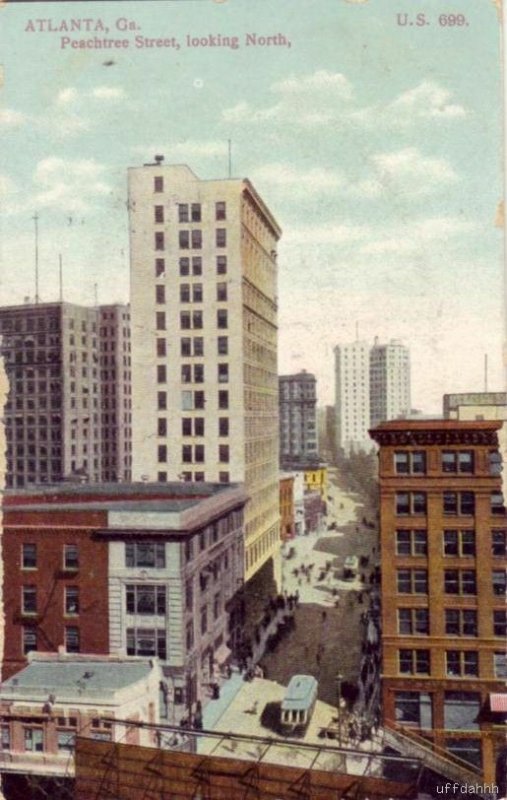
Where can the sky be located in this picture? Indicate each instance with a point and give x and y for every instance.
(376, 145)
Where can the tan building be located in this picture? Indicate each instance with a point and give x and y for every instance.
(204, 340)
(444, 620)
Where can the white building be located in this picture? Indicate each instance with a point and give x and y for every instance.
(204, 339)
(389, 381)
(352, 398)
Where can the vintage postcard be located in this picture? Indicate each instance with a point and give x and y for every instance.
(252, 318)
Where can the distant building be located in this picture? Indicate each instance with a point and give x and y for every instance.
(139, 569)
(204, 340)
(67, 415)
(57, 697)
(287, 511)
(297, 402)
(352, 396)
(443, 565)
(372, 385)
(389, 381)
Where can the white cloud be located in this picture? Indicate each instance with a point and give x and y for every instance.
(108, 93)
(321, 80)
(66, 96)
(10, 118)
(426, 102)
(414, 236)
(405, 173)
(68, 185)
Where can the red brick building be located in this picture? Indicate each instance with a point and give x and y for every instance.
(286, 507)
(443, 536)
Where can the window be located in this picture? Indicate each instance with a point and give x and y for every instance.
(221, 237)
(413, 621)
(499, 582)
(162, 454)
(71, 600)
(498, 544)
(186, 373)
(5, 737)
(223, 477)
(412, 581)
(461, 710)
(29, 639)
(146, 642)
(223, 426)
(221, 265)
(199, 426)
(460, 622)
(495, 463)
(199, 453)
(457, 461)
(196, 212)
(468, 750)
(223, 453)
(459, 503)
(66, 741)
(145, 599)
(462, 663)
(159, 240)
(223, 373)
(197, 319)
(500, 665)
(29, 556)
(161, 373)
(497, 506)
(186, 346)
(186, 426)
(189, 637)
(29, 598)
(413, 709)
(159, 267)
(161, 348)
(183, 212)
(185, 293)
(186, 454)
(197, 295)
(414, 662)
(198, 373)
(160, 320)
(161, 401)
(34, 740)
(221, 291)
(223, 399)
(222, 318)
(196, 265)
(184, 266)
(500, 623)
(199, 400)
(72, 644)
(220, 211)
(458, 581)
(184, 240)
(410, 503)
(145, 554)
(185, 320)
(158, 184)
(159, 214)
(410, 462)
(162, 426)
(223, 345)
(411, 543)
(459, 543)
(71, 556)
(196, 240)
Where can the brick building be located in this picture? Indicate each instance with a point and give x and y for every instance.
(139, 569)
(287, 528)
(443, 534)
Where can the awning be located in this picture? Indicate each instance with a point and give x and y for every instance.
(498, 702)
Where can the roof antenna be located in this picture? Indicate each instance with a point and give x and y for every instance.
(36, 222)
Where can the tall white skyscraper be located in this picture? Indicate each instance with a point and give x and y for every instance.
(352, 382)
(372, 386)
(204, 340)
(389, 381)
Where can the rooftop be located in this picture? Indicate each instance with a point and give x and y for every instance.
(437, 424)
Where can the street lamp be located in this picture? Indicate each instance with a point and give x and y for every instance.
(339, 678)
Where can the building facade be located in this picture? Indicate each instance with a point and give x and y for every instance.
(287, 509)
(204, 340)
(443, 562)
(57, 697)
(389, 381)
(297, 402)
(63, 415)
(139, 569)
(352, 396)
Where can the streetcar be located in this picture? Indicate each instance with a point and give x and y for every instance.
(298, 704)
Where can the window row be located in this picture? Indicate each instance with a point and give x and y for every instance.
(191, 454)
(453, 503)
(456, 462)
(456, 581)
(458, 663)
(72, 640)
(191, 239)
(458, 543)
(458, 622)
(194, 373)
(29, 556)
